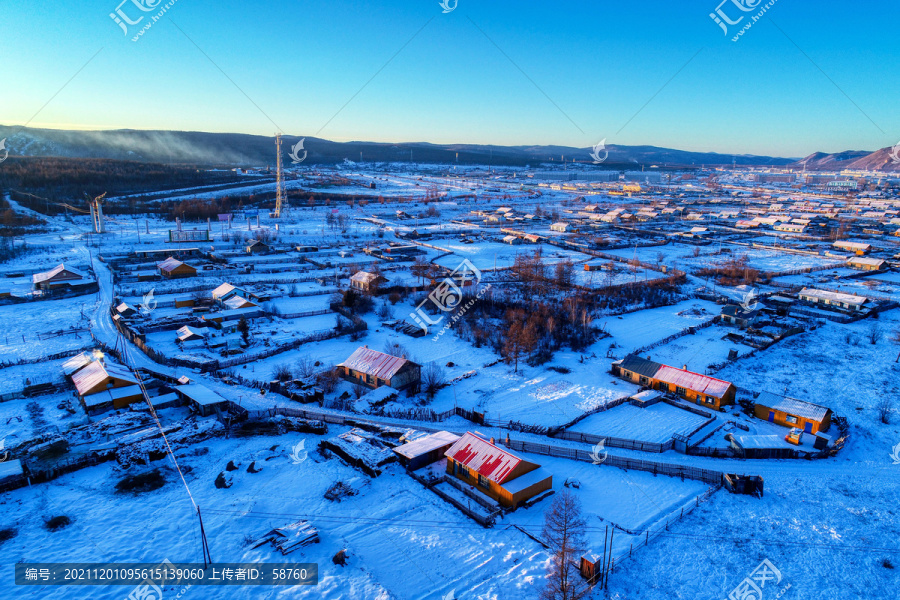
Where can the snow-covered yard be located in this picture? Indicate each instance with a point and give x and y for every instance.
(656, 424)
(638, 329)
(25, 327)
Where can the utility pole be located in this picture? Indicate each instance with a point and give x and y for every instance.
(279, 179)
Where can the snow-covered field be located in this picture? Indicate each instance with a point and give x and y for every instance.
(656, 424)
(487, 256)
(26, 327)
(638, 329)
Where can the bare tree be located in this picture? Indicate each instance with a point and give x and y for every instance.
(565, 274)
(875, 333)
(384, 311)
(433, 378)
(304, 367)
(564, 530)
(896, 339)
(395, 349)
(521, 339)
(283, 373)
(328, 379)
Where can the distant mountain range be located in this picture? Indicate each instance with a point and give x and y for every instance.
(235, 149)
(886, 159)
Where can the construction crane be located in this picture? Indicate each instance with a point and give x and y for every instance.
(280, 204)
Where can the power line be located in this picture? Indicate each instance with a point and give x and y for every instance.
(204, 542)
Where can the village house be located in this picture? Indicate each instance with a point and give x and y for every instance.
(864, 263)
(236, 302)
(846, 302)
(59, 277)
(789, 228)
(744, 224)
(258, 247)
(367, 283)
(858, 248)
(701, 389)
(226, 291)
(172, 268)
(230, 318)
(375, 369)
(496, 472)
(560, 227)
(790, 412)
(739, 316)
(103, 386)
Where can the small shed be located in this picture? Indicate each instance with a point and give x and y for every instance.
(760, 446)
(425, 450)
(191, 334)
(512, 240)
(125, 309)
(172, 268)
(113, 398)
(203, 399)
(750, 485)
(236, 302)
(11, 472)
(258, 247)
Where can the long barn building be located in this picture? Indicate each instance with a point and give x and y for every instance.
(701, 389)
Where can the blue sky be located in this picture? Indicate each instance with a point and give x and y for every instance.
(297, 63)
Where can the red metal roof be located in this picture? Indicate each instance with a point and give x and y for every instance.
(483, 457)
(374, 363)
(702, 384)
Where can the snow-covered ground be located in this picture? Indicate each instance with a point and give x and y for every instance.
(656, 424)
(403, 541)
(27, 327)
(639, 329)
(828, 525)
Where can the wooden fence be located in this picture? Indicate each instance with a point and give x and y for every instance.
(683, 471)
(612, 442)
(686, 331)
(56, 470)
(431, 484)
